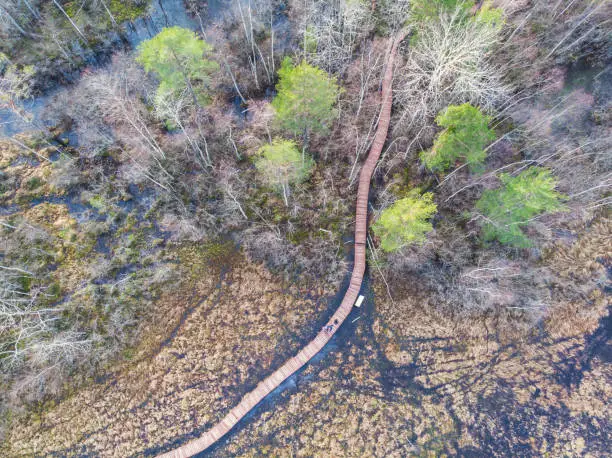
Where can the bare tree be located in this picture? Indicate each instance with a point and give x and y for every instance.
(255, 18)
(108, 11)
(82, 104)
(499, 283)
(173, 108)
(331, 31)
(28, 332)
(14, 17)
(450, 64)
(233, 188)
(115, 95)
(394, 13)
(72, 23)
(15, 85)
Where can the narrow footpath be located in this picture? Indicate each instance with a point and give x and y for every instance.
(250, 400)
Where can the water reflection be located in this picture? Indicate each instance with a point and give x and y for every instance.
(162, 13)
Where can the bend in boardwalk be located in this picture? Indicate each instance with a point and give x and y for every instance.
(250, 400)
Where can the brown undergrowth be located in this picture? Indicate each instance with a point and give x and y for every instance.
(204, 348)
(427, 384)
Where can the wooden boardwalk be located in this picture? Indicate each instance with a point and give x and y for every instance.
(250, 400)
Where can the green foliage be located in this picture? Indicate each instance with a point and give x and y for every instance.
(71, 9)
(218, 251)
(123, 10)
(512, 206)
(282, 163)
(306, 98)
(406, 221)
(465, 136)
(15, 82)
(26, 283)
(423, 11)
(426, 10)
(310, 41)
(53, 292)
(97, 202)
(33, 183)
(490, 16)
(176, 57)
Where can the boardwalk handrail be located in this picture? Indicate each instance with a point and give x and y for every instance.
(251, 399)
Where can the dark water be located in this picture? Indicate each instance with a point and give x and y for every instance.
(11, 123)
(162, 13)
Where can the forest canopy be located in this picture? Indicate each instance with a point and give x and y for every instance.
(305, 99)
(176, 57)
(465, 135)
(178, 190)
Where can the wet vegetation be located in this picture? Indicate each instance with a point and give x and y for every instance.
(177, 185)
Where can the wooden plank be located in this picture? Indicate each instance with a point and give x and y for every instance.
(251, 399)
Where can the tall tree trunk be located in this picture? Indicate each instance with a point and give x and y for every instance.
(109, 13)
(13, 21)
(33, 10)
(70, 19)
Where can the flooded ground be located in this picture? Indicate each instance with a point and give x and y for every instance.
(161, 13)
(398, 379)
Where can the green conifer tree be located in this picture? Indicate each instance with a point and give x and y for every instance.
(305, 99)
(512, 206)
(281, 164)
(465, 136)
(177, 57)
(406, 221)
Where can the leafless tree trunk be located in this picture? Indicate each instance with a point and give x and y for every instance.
(70, 20)
(171, 107)
(7, 14)
(232, 187)
(112, 18)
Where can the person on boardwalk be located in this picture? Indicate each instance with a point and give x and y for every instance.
(249, 401)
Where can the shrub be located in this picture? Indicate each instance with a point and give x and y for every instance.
(306, 98)
(281, 164)
(465, 135)
(406, 221)
(512, 206)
